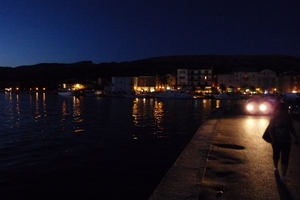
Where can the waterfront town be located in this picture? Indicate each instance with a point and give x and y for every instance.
(202, 82)
(201, 79)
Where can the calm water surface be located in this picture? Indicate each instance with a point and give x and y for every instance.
(54, 147)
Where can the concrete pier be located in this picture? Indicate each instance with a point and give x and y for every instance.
(183, 181)
(228, 159)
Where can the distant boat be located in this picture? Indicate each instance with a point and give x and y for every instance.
(176, 94)
(226, 96)
(137, 95)
(67, 92)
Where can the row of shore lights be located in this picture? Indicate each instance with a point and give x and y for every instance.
(76, 86)
(17, 89)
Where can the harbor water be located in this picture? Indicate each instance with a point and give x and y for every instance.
(54, 147)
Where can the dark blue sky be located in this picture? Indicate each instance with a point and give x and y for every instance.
(67, 31)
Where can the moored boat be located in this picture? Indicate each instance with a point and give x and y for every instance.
(67, 92)
(176, 94)
(226, 96)
(137, 95)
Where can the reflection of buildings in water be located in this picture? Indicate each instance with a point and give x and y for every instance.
(204, 107)
(139, 111)
(135, 112)
(71, 109)
(151, 113)
(16, 107)
(142, 112)
(17, 104)
(38, 101)
(158, 117)
(44, 102)
(64, 108)
(11, 110)
(37, 105)
(203, 103)
(76, 109)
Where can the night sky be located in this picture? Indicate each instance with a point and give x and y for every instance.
(68, 31)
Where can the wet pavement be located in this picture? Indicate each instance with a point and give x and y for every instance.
(228, 159)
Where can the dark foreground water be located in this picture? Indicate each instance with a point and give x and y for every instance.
(54, 147)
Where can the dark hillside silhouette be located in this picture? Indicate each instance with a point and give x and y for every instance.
(51, 74)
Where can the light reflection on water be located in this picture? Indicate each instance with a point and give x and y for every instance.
(40, 112)
(45, 132)
(167, 117)
(148, 112)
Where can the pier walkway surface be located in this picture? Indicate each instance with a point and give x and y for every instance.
(228, 159)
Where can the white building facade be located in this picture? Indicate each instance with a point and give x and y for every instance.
(195, 77)
(123, 84)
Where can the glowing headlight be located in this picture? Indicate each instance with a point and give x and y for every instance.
(258, 107)
(263, 107)
(250, 107)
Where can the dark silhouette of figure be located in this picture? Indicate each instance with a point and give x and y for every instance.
(280, 129)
